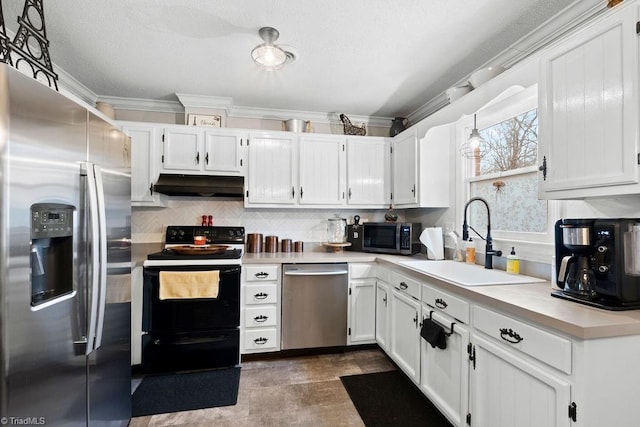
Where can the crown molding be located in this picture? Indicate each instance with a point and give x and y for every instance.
(576, 14)
(204, 101)
(141, 104)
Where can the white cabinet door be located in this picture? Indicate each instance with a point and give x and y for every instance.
(368, 172)
(145, 162)
(444, 373)
(322, 170)
(405, 334)
(508, 391)
(588, 110)
(404, 169)
(271, 170)
(224, 151)
(182, 149)
(362, 311)
(382, 314)
(435, 166)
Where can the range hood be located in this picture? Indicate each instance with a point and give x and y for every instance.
(200, 185)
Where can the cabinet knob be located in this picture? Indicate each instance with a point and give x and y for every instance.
(543, 168)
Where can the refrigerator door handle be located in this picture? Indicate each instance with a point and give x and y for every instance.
(94, 225)
(102, 225)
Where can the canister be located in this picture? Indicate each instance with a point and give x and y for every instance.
(271, 244)
(298, 246)
(286, 245)
(254, 242)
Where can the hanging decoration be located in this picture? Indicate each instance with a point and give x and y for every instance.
(5, 52)
(30, 47)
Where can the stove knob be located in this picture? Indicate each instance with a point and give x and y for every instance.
(602, 249)
(603, 269)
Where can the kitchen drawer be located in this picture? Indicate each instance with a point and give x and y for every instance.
(260, 316)
(261, 339)
(266, 293)
(261, 273)
(551, 349)
(447, 303)
(406, 284)
(361, 270)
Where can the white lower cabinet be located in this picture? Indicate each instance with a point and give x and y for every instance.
(362, 304)
(444, 373)
(517, 376)
(382, 314)
(260, 309)
(405, 333)
(507, 390)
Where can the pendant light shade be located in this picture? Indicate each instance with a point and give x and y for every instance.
(268, 55)
(471, 147)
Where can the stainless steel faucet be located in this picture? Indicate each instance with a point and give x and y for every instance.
(489, 251)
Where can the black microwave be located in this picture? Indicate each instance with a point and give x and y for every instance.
(389, 238)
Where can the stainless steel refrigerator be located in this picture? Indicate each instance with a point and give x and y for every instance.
(65, 263)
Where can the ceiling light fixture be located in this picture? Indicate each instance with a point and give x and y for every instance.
(471, 148)
(268, 55)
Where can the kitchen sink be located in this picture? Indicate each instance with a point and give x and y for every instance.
(468, 274)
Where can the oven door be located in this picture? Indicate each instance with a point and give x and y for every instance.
(191, 315)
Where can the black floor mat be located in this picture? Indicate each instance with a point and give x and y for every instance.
(390, 399)
(159, 394)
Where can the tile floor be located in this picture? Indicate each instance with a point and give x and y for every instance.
(295, 391)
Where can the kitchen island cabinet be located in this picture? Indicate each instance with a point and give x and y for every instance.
(589, 110)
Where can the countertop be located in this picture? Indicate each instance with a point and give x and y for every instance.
(532, 302)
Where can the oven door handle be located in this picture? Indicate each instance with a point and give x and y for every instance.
(190, 341)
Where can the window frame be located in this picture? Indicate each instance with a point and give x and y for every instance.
(535, 246)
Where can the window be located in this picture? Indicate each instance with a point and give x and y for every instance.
(503, 170)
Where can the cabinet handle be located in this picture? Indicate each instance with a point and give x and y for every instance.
(293, 192)
(300, 192)
(385, 300)
(440, 303)
(413, 190)
(260, 319)
(206, 158)
(415, 320)
(151, 190)
(261, 341)
(349, 193)
(198, 158)
(509, 335)
(403, 286)
(543, 168)
(262, 275)
(260, 295)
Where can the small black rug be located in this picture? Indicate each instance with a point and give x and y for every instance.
(390, 399)
(158, 394)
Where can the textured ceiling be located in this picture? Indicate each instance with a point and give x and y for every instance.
(363, 57)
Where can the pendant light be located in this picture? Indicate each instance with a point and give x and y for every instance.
(268, 55)
(469, 148)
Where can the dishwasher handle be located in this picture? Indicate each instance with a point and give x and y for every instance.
(315, 273)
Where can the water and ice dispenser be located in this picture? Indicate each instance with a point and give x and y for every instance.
(52, 252)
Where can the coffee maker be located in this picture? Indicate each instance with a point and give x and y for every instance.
(598, 262)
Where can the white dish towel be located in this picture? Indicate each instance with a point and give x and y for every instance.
(432, 238)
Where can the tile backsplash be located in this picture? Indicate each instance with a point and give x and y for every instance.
(309, 225)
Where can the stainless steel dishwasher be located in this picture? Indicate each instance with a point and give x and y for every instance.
(314, 305)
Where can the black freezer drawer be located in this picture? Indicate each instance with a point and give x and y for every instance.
(190, 351)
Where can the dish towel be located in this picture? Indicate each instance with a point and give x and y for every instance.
(189, 284)
(433, 334)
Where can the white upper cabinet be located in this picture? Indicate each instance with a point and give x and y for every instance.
(271, 170)
(145, 162)
(322, 170)
(224, 151)
(588, 110)
(192, 150)
(182, 148)
(421, 168)
(368, 172)
(405, 166)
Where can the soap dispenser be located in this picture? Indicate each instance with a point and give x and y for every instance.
(513, 262)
